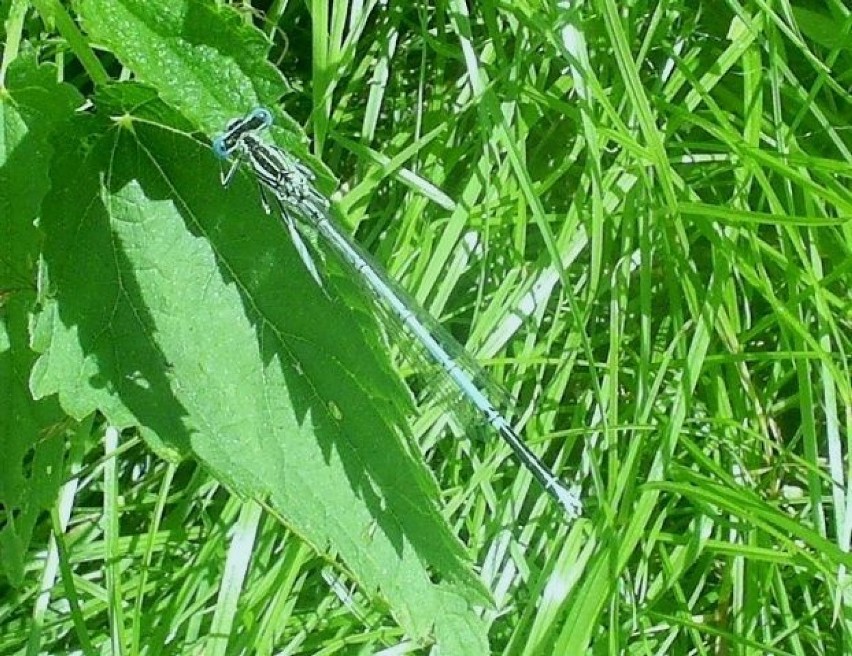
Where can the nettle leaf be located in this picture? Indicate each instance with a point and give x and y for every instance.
(172, 303)
(202, 58)
(32, 433)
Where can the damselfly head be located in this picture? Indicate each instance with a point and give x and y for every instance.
(238, 129)
(262, 116)
(220, 147)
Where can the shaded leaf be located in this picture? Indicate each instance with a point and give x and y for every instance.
(175, 304)
(32, 433)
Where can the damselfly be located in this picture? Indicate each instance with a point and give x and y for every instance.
(292, 187)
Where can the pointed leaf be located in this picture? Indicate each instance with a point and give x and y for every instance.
(32, 106)
(179, 305)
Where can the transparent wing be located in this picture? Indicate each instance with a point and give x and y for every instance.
(292, 185)
(401, 314)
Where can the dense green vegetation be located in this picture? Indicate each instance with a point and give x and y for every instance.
(636, 217)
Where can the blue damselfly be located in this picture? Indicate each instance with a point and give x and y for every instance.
(291, 185)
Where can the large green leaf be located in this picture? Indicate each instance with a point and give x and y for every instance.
(172, 303)
(32, 106)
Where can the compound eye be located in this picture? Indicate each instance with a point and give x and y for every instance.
(261, 114)
(221, 148)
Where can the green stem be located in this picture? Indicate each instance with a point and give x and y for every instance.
(14, 29)
(65, 25)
